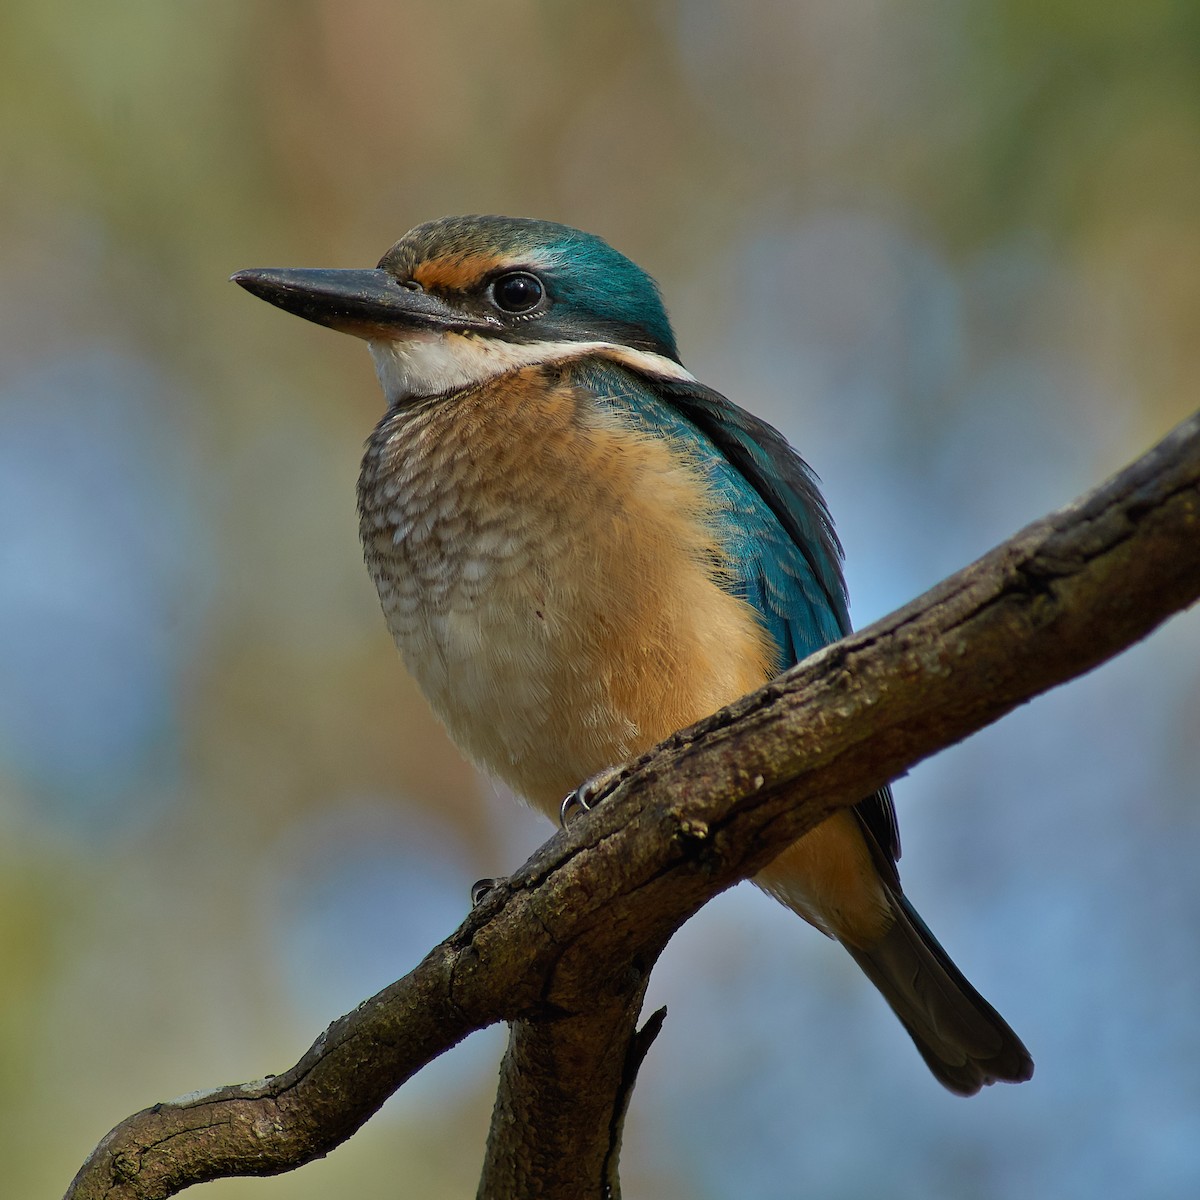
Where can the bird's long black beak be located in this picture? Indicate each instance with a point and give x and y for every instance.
(368, 304)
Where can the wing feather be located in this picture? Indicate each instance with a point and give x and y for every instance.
(785, 555)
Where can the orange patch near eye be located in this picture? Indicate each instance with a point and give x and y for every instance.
(456, 273)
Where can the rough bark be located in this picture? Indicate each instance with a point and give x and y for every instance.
(562, 949)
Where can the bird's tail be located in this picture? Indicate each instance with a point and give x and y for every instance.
(962, 1038)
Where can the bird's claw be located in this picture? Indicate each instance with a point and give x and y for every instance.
(584, 796)
(571, 802)
(479, 889)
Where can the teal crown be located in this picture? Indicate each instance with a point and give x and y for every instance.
(596, 292)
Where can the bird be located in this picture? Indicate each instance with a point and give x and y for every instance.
(580, 549)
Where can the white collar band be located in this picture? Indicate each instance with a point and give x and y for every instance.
(428, 364)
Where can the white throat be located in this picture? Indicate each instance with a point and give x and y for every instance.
(428, 364)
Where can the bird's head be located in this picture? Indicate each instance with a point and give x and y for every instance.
(462, 299)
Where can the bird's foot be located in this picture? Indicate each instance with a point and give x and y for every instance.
(480, 888)
(583, 798)
(571, 802)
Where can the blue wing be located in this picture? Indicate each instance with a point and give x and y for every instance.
(785, 554)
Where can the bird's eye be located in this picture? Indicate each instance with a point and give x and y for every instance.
(517, 292)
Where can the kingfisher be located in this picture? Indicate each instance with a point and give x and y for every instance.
(579, 549)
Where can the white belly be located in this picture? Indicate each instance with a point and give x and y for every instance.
(552, 583)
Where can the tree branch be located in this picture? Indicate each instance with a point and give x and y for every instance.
(564, 947)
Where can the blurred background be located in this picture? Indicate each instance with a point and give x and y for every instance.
(951, 248)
